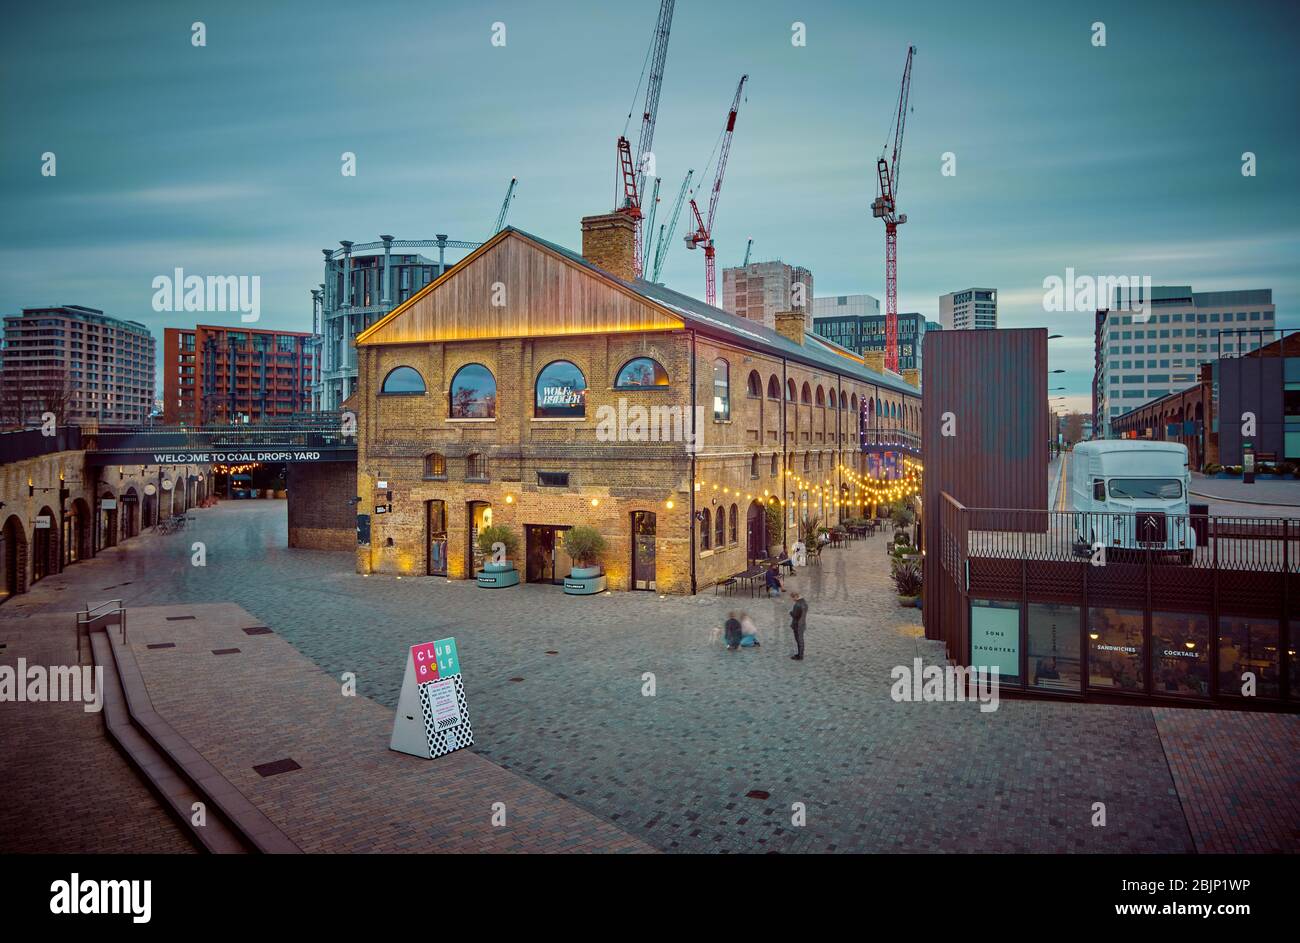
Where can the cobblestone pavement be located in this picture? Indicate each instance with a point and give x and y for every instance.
(729, 743)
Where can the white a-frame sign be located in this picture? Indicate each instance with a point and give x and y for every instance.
(432, 718)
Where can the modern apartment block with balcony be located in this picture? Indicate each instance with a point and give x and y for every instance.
(215, 375)
(77, 363)
(973, 309)
(1144, 355)
(362, 284)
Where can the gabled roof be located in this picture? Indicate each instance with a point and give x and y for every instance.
(816, 351)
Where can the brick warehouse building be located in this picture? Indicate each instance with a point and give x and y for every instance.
(506, 392)
(214, 374)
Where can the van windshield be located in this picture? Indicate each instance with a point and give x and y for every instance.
(1146, 488)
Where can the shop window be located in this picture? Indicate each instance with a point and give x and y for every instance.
(1053, 646)
(403, 381)
(1115, 650)
(720, 528)
(435, 465)
(476, 467)
(1248, 646)
(995, 638)
(560, 392)
(1180, 654)
(641, 373)
(721, 390)
(706, 533)
(473, 393)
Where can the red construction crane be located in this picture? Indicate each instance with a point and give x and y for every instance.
(885, 207)
(703, 234)
(633, 172)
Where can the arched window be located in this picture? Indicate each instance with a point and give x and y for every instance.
(560, 392)
(844, 401)
(773, 387)
(473, 393)
(832, 400)
(735, 520)
(853, 402)
(435, 465)
(805, 395)
(720, 528)
(640, 373)
(753, 465)
(790, 394)
(775, 464)
(754, 386)
(721, 389)
(821, 396)
(871, 412)
(807, 462)
(403, 381)
(476, 467)
(705, 532)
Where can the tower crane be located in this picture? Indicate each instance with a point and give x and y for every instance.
(748, 246)
(505, 206)
(885, 207)
(634, 173)
(703, 234)
(666, 234)
(650, 224)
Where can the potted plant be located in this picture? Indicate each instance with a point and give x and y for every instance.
(497, 575)
(907, 580)
(585, 545)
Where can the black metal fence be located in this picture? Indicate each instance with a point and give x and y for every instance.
(29, 443)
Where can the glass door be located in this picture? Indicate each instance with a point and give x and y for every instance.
(435, 530)
(643, 550)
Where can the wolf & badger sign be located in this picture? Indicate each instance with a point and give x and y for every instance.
(432, 717)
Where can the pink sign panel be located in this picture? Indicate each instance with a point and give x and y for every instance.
(425, 659)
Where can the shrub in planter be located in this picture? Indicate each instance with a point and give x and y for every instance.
(808, 531)
(497, 533)
(773, 512)
(584, 544)
(907, 579)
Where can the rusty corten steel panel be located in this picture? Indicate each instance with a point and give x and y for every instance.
(990, 389)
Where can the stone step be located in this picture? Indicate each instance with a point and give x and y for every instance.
(162, 777)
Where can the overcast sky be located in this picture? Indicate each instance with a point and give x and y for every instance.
(1124, 159)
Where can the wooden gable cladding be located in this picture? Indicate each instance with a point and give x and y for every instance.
(542, 293)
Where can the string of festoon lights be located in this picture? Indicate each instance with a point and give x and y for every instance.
(870, 490)
(233, 469)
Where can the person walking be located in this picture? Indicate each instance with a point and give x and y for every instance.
(798, 623)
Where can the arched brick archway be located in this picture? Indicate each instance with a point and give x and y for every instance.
(45, 545)
(13, 557)
(79, 531)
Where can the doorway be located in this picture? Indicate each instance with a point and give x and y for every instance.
(13, 549)
(544, 548)
(480, 516)
(435, 535)
(643, 550)
(44, 545)
(756, 532)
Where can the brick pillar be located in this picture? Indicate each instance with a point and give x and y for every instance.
(609, 243)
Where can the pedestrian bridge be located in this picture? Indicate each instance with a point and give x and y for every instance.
(319, 438)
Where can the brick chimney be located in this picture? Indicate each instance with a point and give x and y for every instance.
(875, 360)
(912, 377)
(790, 325)
(609, 242)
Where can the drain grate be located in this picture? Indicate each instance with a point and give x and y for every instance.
(180, 618)
(276, 767)
(257, 630)
(162, 645)
(225, 651)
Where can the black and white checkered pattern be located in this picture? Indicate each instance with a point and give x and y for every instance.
(440, 741)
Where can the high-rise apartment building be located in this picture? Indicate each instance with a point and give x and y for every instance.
(760, 290)
(362, 284)
(1144, 355)
(972, 309)
(77, 363)
(214, 375)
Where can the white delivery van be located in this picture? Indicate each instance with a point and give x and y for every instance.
(1132, 494)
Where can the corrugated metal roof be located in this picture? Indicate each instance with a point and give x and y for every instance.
(816, 351)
